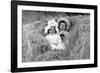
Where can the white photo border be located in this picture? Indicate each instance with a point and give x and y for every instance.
(52, 63)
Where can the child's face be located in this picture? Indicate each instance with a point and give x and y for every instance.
(62, 26)
(52, 30)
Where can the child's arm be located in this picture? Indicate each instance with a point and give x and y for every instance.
(60, 45)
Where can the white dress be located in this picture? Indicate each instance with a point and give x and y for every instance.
(55, 41)
(66, 37)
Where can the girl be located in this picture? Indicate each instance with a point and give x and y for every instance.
(63, 26)
(54, 38)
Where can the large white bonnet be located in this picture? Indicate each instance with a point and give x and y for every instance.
(50, 24)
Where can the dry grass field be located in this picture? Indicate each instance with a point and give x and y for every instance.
(36, 48)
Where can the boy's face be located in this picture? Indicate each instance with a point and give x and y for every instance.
(52, 30)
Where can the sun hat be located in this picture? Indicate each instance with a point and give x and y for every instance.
(66, 20)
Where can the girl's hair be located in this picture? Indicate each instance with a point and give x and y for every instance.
(60, 24)
(50, 29)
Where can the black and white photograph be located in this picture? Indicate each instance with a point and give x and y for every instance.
(55, 36)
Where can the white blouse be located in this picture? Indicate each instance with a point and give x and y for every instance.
(55, 41)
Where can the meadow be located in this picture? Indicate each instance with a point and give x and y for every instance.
(35, 47)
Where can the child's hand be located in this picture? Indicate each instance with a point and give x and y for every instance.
(62, 36)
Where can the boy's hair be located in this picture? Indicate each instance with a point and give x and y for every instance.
(60, 24)
(50, 28)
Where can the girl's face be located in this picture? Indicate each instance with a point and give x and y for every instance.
(62, 26)
(52, 30)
